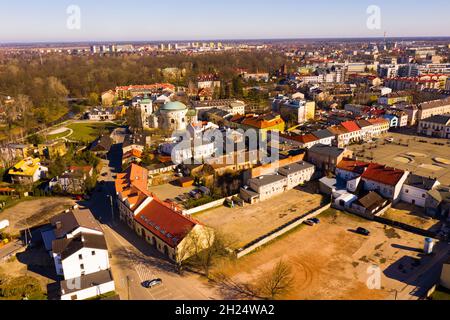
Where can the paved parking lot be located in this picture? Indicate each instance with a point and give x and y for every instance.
(416, 157)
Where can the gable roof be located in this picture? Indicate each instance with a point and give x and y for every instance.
(326, 150)
(383, 174)
(371, 200)
(323, 134)
(167, 224)
(68, 221)
(337, 130)
(68, 246)
(132, 185)
(420, 182)
(352, 165)
(104, 143)
(351, 126)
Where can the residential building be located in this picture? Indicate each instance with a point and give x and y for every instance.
(73, 181)
(437, 126)
(101, 146)
(326, 158)
(285, 178)
(78, 248)
(416, 188)
(369, 204)
(388, 182)
(437, 203)
(433, 108)
(27, 171)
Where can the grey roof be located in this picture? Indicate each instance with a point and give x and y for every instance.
(104, 143)
(362, 123)
(326, 150)
(440, 119)
(69, 221)
(68, 246)
(420, 182)
(295, 167)
(440, 194)
(139, 139)
(434, 104)
(323, 134)
(371, 200)
(86, 281)
(266, 180)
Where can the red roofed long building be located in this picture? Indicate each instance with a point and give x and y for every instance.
(157, 222)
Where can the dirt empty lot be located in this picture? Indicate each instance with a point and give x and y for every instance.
(30, 213)
(412, 215)
(418, 157)
(247, 223)
(330, 261)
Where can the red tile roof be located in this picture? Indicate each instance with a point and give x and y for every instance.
(378, 121)
(352, 165)
(383, 174)
(303, 139)
(132, 184)
(351, 126)
(169, 225)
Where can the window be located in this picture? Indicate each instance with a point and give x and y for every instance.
(93, 252)
(80, 256)
(82, 266)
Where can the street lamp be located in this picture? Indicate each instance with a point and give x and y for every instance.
(112, 208)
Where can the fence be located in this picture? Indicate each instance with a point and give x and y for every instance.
(206, 206)
(279, 231)
(406, 227)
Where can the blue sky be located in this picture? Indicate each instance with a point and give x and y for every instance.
(133, 20)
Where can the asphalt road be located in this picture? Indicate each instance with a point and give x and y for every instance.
(132, 259)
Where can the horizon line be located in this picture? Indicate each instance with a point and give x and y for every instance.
(218, 39)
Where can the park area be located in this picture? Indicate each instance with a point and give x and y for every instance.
(428, 157)
(330, 261)
(85, 131)
(244, 224)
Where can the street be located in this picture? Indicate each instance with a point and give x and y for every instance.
(133, 260)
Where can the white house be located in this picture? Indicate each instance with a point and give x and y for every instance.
(80, 254)
(386, 181)
(297, 173)
(268, 186)
(415, 189)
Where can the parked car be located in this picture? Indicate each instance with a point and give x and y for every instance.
(389, 139)
(362, 231)
(151, 283)
(315, 220)
(308, 222)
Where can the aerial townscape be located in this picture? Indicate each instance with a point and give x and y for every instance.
(278, 169)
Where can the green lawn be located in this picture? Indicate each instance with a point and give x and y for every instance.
(58, 135)
(88, 132)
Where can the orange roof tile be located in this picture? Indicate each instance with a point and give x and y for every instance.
(383, 174)
(169, 225)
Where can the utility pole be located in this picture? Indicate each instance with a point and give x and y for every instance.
(128, 287)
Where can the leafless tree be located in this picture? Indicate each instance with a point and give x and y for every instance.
(276, 282)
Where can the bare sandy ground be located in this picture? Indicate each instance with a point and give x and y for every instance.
(330, 261)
